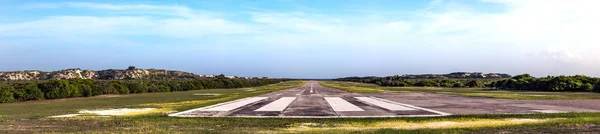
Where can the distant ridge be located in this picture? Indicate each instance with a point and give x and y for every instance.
(453, 75)
(108, 74)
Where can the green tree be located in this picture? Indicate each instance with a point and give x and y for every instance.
(33, 92)
(458, 84)
(120, 87)
(188, 85)
(137, 87)
(473, 83)
(6, 93)
(85, 90)
(587, 87)
(74, 90)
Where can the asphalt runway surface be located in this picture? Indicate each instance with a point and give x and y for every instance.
(312, 100)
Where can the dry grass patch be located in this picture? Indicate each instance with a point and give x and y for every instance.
(404, 125)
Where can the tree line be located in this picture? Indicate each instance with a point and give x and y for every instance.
(397, 81)
(578, 83)
(575, 83)
(14, 91)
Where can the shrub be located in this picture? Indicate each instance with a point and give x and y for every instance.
(175, 86)
(458, 84)
(188, 85)
(73, 90)
(153, 88)
(6, 93)
(108, 89)
(137, 87)
(85, 90)
(119, 87)
(31, 92)
(473, 83)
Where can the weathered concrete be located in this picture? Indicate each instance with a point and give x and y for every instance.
(309, 101)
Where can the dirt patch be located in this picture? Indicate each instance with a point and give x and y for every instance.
(117, 112)
(65, 116)
(109, 96)
(107, 112)
(207, 94)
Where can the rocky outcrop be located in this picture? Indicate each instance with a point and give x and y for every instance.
(110, 74)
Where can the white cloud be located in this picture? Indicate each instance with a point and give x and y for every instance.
(136, 19)
(559, 31)
(562, 54)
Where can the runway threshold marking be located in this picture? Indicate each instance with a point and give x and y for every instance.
(278, 105)
(415, 107)
(384, 104)
(235, 104)
(340, 105)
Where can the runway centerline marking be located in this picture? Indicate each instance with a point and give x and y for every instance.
(384, 104)
(278, 105)
(235, 104)
(340, 105)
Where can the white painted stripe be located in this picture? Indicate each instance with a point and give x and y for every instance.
(277, 105)
(415, 107)
(339, 105)
(235, 104)
(180, 114)
(549, 111)
(384, 104)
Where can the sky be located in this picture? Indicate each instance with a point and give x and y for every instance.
(304, 38)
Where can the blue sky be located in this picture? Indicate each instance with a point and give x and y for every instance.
(304, 38)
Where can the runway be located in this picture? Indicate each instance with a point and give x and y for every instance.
(311, 101)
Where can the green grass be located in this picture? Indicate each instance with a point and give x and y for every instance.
(352, 87)
(471, 92)
(167, 101)
(28, 117)
(538, 123)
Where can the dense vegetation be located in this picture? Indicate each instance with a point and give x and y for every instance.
(13, 91)
(549, 83)
(519, 82)
(399, 81)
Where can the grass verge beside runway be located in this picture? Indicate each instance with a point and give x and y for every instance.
(29, 117)
(163, 102)
(471, 92)
(538, 123)
(352, 86)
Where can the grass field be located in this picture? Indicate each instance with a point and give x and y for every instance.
(472, 92)
(30, 117)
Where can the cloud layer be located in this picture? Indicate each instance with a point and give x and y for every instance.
(543, 37)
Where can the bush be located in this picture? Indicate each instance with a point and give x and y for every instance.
(164, 88)
(74, 90)
(458, 84)
(175, 86)
(473, 83)
(188, 85)
(56, 89)
(137, 87)
(32, 92)
(85, 90)
(107, 89)
(427, 83)
(587, 87)
(7, 93)
(119, 87)
(153, 88)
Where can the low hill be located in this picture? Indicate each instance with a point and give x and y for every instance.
(109, 74)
